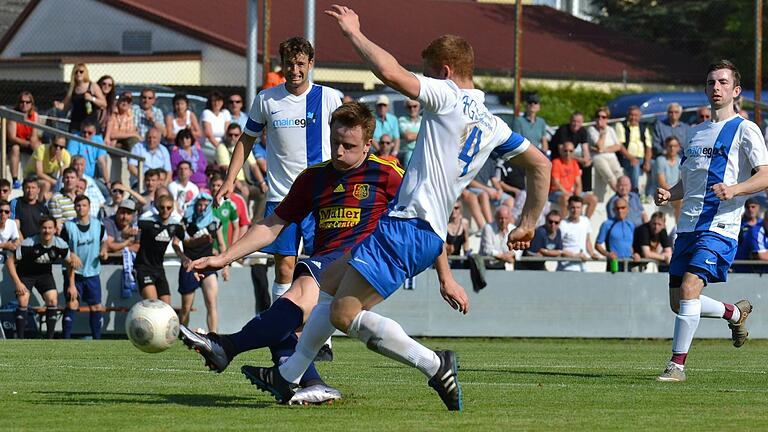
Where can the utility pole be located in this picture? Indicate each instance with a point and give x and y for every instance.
(251, 58)
(758, 59)
(266, 59)
(309, 26)
(518, 52)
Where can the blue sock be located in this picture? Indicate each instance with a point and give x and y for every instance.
(68, 322)
(270, 327)
(95, 321)
(286, 348)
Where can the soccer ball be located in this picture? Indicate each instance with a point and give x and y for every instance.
(152, 326)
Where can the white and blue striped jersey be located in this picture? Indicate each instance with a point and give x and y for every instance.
(298, 132)
(456, 137)
(718, 152)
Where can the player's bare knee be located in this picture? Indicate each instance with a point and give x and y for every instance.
(341, 316)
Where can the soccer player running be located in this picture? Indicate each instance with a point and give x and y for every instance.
(87, 238)
(296, 116)
(458, 136)
(347, 196)
(717, 177)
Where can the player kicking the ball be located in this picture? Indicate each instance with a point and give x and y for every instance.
(717, 177)
(458, 134)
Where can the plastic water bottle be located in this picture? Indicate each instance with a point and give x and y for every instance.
(614, 265)
(88, 108)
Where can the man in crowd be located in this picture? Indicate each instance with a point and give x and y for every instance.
(409, 130)
(575, 132)
(493, 242)
(182, 190)
(235, 108)
(637, 214)
(576, 232)
(62, 203)
(566, 180)
(652, 242)
(386, 123)
(28, 210)
(614, 240)
(251, 172)
(547, 242)
(702, 114)
(672, 126)
(635, 137)
(92, 190)
(155, 156)
(531, 126)
(147, 116)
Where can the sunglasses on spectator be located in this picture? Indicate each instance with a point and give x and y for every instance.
(235, 101)
(553, 222)
(602, 116)
(567, 151)
(117, 191)
(385, 142)
(5, 190)
(235, 134)
(25, 101)
(621, 208)
(59, 146)
(165, 208)
(88, 133)
(79, 71)
(107, 84)
(5, 211)
(413, 106)
(147, 97)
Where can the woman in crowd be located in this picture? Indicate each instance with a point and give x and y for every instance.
(184, 150)
(84, 99)
(107, 85)
(215, 119)
(604, 144)
(22, 137)
(181, 118)
(122, 130)
(457, 239)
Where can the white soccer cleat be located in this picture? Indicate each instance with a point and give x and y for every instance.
(314, 395)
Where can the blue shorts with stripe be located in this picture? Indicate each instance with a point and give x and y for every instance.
(706, 254)
(316, 265)
(287, 243)
(397, 250)
(88, 289)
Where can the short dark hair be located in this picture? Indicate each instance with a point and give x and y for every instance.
(89, 123)
(294, 46)
(4, 203)
(184, 162)
(352, 114)
(575, 198)
(658, 215)
(726, 64)
(68, 170)
(180, 97)
(152, 172)
(184, 133)
(234, 125)
(5, 182)
(29, 179)
(553, 212)
(47, 218)
(81, 198)
(216, 175)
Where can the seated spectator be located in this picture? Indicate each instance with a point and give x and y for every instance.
(614, 240)
(120, 193)
(250, 168)
(94, 157)
(635, 154)
(745, 248)
(547, 242)
(215, 120)
(28, 210)
(155, 156)
(409, 130)
(182, 189)
(122, 126)
(603, 145)
(235, 108)
(185, 150)
(703, 113)
(386, 149)
(146, 115)
(21, 137)
(457, 239)
(62, 203)
(386, 123)
(637, 214)
(671, 126)
(576, 233)
(759, 243)
(566, 180)
(92, 190)
(652, 242)
(668, 169)
(180, 119)
(48, 163)
(493, 242)
(488, 194)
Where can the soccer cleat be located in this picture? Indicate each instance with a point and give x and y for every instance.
(673, 373)
(739, 331)
(207, 346)
(446, 380)
(325, 354)
(315, 395)
(269, 380)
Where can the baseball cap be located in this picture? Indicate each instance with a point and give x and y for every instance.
(127, 204)
(382, 100)
(532, 98)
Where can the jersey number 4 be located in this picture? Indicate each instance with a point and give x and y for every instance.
(471, 149)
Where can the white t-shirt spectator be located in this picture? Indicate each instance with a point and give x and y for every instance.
(218, 122)
(574, 240)
(8, 233)
(183, 195)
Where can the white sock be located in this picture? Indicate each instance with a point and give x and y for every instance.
(387, 337)
(711, 308)
(317, 330)
(686, 322)
(328, 342)
(278, 289)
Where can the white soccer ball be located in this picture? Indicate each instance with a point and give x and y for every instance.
(152, 325)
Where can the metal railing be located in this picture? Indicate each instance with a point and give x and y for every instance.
(7, 114)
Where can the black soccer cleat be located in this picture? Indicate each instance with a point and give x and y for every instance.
(446, 380)
(209, 346)
(325, 354)
(269, 380)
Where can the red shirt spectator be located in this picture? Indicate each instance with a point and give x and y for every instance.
(566, 173)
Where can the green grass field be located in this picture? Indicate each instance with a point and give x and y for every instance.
(508, 384)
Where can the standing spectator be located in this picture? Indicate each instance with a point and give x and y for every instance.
(250, 169)
(226, 213)
(121, 228)
(672, 126)
(48, 162)
(635, 156)
(21, 137)
(235, 104)
(87, 238)
(386, 149)
(703, 113)
(215, 120)
(531, 126)
(614, 240)
(637, 214)
(146, 115)
(121, 128)
(31, 267)
(651, 241)
(151, 184)
(28, 210)
(409, 130)
(92, 190)
(56, 116)
(93, 156)
(457, 240)
(201, 228)
(84, 98)
(603, 145)
(155, 156)
(5, 189)
(185, 150)
(566, 180)
(576, 231)
(386, 123)
(9, 232)
(107, 85)
(547, 242)
(62, 203)
(182, 189)
(668, 169)
(749, 219)
(120, 193)
(493, 242)
(181, 118)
